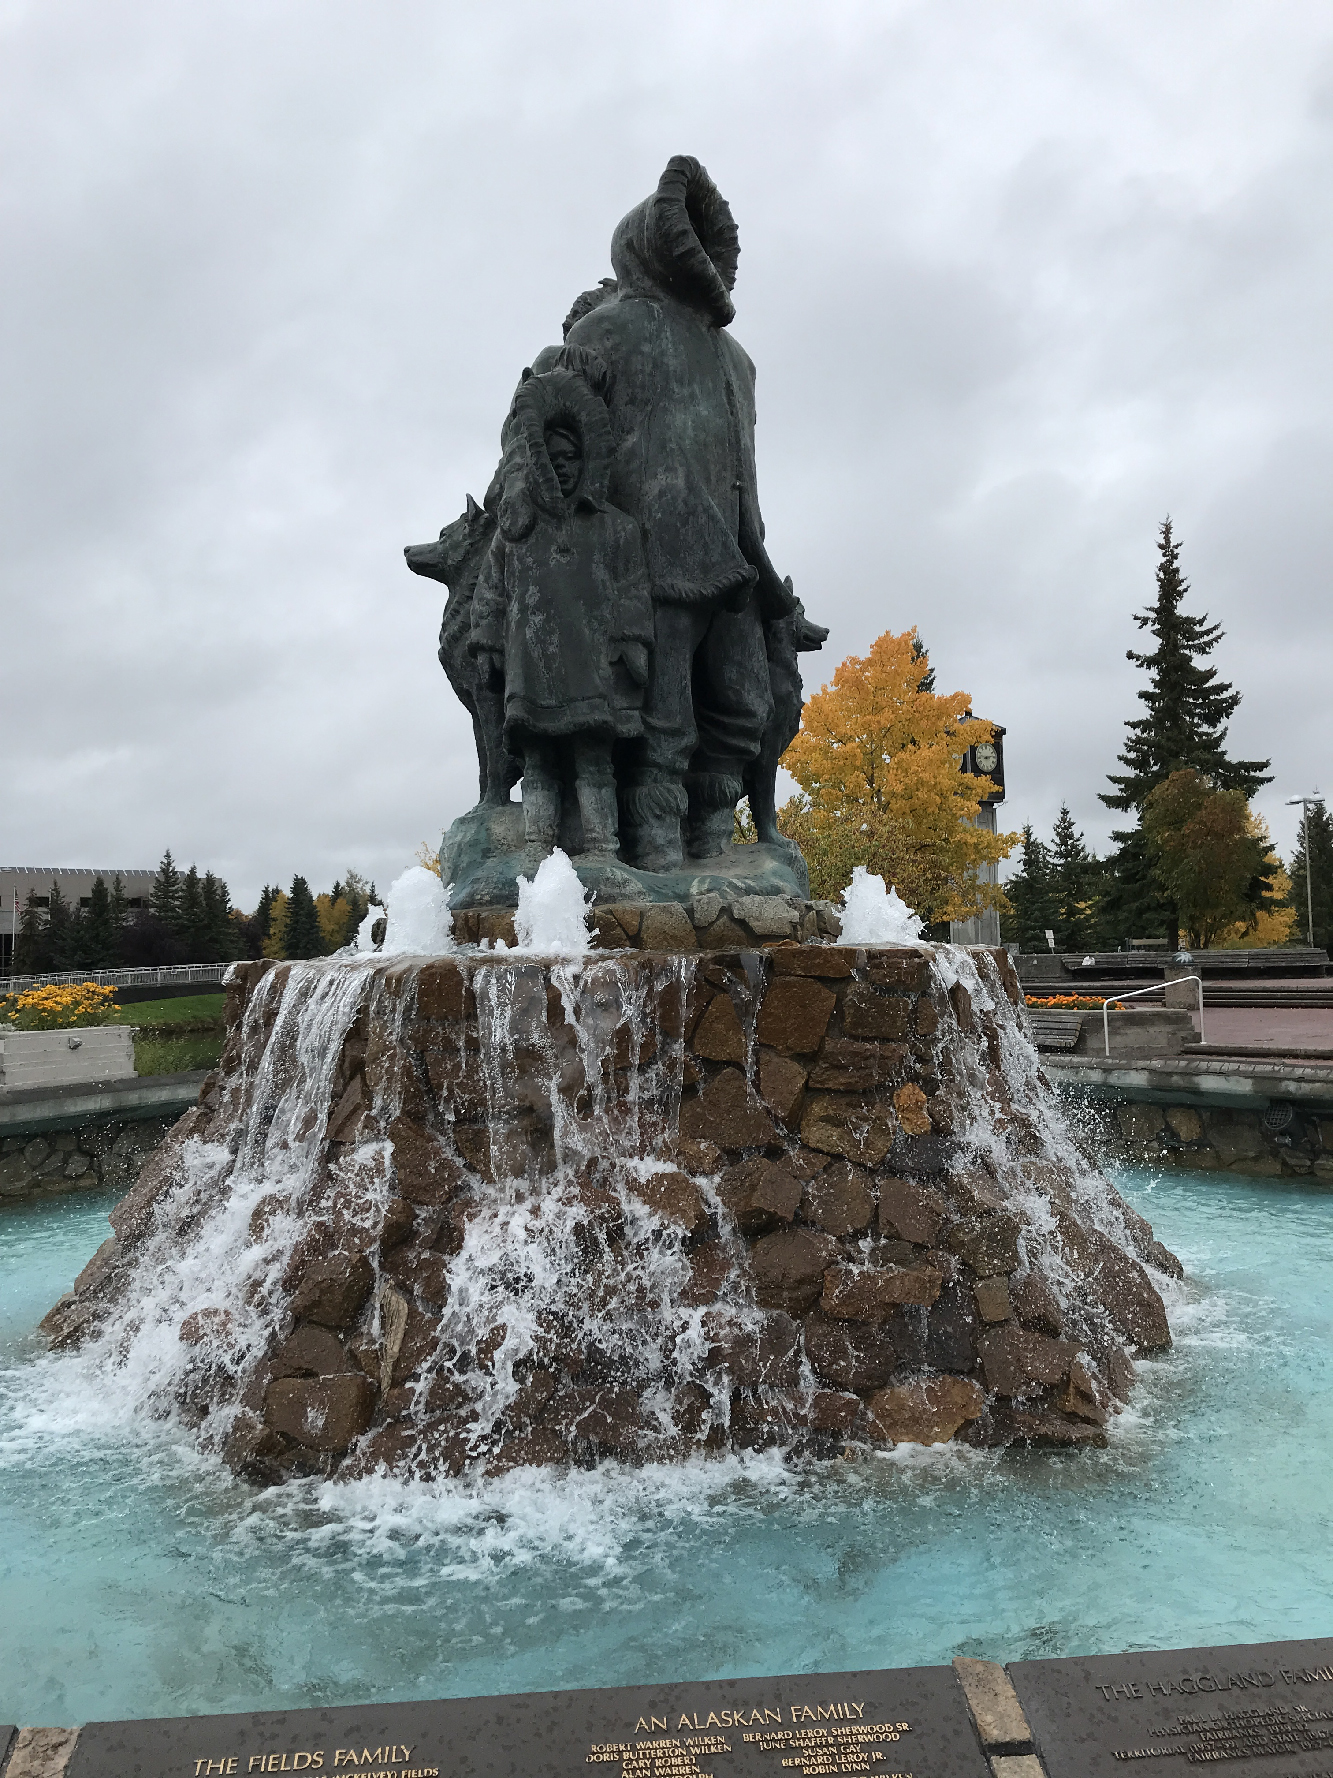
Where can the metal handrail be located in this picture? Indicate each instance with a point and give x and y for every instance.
(150, 976)
(1157, 988)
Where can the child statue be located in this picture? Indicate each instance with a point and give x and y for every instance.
(562, 614)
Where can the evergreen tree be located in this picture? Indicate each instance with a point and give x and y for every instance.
(303, 938)
(120, 913)
(921, 653)
(1316, 820)
(101, 938)
(219, 929)
(1188, 709)
(192, 919)
(62, 934)
(1073, 872)
(32, 951)
(1031, 896)
(164, 898)
(267, 896)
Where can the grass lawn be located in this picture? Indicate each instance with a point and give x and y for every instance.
(185, 1009)
(156, 1052)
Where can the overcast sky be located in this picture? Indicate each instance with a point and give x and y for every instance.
(1018, 281)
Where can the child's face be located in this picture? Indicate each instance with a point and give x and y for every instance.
(566, 460)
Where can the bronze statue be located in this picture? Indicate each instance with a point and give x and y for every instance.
(624, 641)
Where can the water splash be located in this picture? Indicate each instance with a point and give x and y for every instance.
(553, 909)
(419, 922)
(875, 915)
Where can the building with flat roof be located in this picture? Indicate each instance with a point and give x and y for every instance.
(18, 881)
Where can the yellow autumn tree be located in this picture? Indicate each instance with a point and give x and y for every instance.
(878, 760)
(275, 942)
(334, 918)
(1272, 925)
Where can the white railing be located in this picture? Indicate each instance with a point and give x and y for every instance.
(1157, 988)
(170, 975)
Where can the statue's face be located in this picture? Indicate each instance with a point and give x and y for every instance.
(566, 460)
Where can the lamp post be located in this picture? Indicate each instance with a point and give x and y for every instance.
(1305, 804)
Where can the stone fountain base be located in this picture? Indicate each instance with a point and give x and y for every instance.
(495, 1210)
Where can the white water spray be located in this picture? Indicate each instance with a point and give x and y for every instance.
(552, 914)
(875, 915)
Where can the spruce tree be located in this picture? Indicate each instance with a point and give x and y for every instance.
(62, 934)
(192, 919)
(267, 896)
(1188, 709)
(1073, 872)
(1030, 895)
(164, 898)
(32, 951)
(120, 907)
(101, 937)
(1316, 820)
(219, 929)
(303, 937)
(920, 653)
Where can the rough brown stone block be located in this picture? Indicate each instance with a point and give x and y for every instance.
(441, 990)
(1016, 1361)
(425, 1172)
(1050, 1429)
(788, 1269)
(832, 1411)
(909, 1102)
(961, 1001)
(718, 1036)
(846, 1066)
(992, 1296)
(675, 1198)
(1083, 1396)
(868, 1014)
(927, 1412)
(826, 961)
(781, 1085)
(311, 1352)
(766, 1353)
(857, 1129)
(872, 1293)
(795, 1015)
(905, 970)
(665, 926)
(927, 1019)
(333, 1291)
(989, 1245)
(839, 1200)
(1131, 1299)
(1036, 1304)
(321, 1413)
(850, 1354)
(726, 1112)
(911, 1212)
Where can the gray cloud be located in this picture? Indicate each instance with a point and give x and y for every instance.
(1018, 281)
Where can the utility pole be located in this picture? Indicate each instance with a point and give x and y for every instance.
(1306, 803)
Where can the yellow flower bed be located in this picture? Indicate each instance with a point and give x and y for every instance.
(53, 1008)
(1073, 1003)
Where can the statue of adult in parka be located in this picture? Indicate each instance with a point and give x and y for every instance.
(680, 392)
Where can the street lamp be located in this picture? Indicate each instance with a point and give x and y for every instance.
(1306, 803)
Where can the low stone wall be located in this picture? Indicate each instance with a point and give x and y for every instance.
(105, 1154)
(706, 923)
(1276, 1142)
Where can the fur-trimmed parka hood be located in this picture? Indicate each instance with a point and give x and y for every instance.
(681, 240)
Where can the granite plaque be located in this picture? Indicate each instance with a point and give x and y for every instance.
(908, 1723)
(1263, 1707)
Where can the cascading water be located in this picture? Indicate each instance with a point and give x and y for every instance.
(495, 1210)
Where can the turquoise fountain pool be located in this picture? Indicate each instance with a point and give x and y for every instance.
(138, 1578)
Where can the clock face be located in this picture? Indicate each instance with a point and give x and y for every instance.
(986, 757)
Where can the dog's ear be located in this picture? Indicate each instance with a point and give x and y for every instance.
(472, 508)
